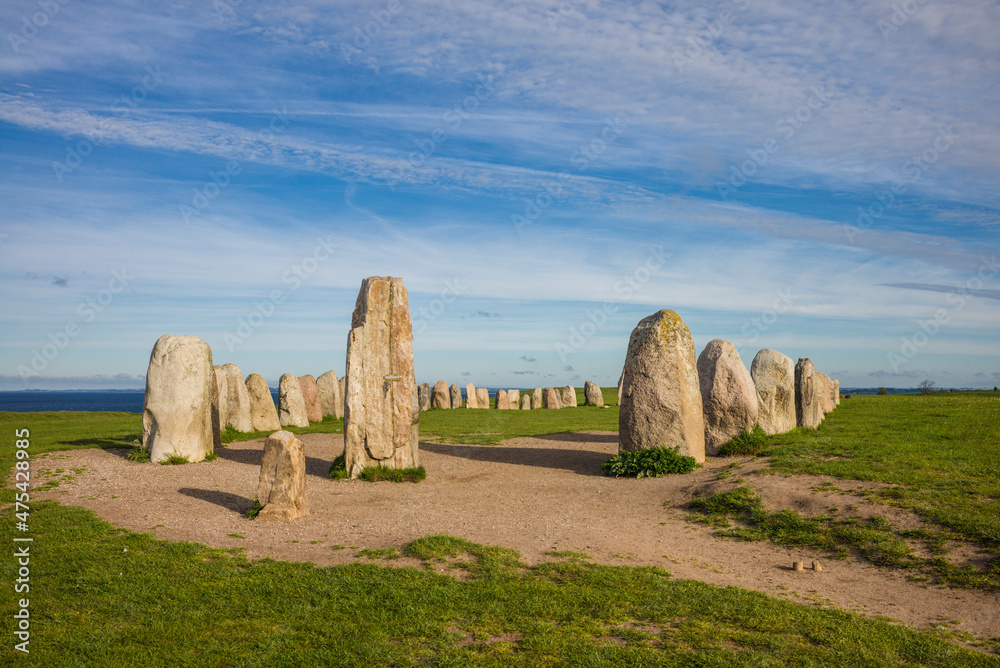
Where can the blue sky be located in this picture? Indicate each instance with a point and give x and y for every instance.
(819, 179)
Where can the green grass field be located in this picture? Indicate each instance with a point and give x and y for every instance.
(101, 596)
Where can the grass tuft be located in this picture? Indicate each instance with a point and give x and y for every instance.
(254, 510)
(383, 473)
(649, 463)
(338, 469)
(747, 442)
(174, 460)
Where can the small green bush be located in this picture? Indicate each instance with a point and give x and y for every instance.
(139, 454)
(745, 443)
(211, 457)
(649, 463)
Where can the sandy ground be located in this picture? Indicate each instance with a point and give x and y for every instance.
(530, 494)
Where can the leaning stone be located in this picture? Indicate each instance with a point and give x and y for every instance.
(471, 398)
(550, 399)
(291, 404)
(482, 397)
(440, 398)
(592, 395)
(456, 396)
(774, 377)
(661, 396)
(381, 420)
(310, 394)
(728, 395)
(536, 398)
(808, 413)
(568, 398)
(281, 488)
(263, 414)
(177, 406)
(513, 399)
(525, 402)
(330, 400)
(238, 400)
(424, 396)
(501, 400)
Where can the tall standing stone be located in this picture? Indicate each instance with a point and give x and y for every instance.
(291, 404)
(836, 391)
(177, 406)
(825, 388)
(513, 399)
(310, 394)
(456, 396)
(424, 396)
(220, 402)
(440, 397)
(330, 400)
(808, 413)
(381, 423)
(728, 395)
(281, 487)
(238, 400)
(774, 377)
(550, 398)
(661, 396)
(536, 398)
(592, 395)
(568, 396)
(482, 397)
(525, 402)
(343, 395)
(263, 414)
(471, 398)
(501, 400)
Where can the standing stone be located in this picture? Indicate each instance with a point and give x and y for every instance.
(220, 402)
(536, 398)
(440, 398)
(310, 394)
(550, 398)
(620, 387)
(661, 397)
(471, 398)
(774, 377)
(525, 402)
(237, 400)
(281, 488)
(177, 407)
(592, 395)
(291, 404)
(330, 400)
(569, 396)
(263, 414)
(456, 396)
(728, 395)
(825, 388)
(424, 396)
(808, 413)
(482, 397)
(502, 400)
(836, 391)
(381, 423)
(343, 395)
(513, 399)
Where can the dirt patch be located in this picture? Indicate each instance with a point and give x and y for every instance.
(534, 495)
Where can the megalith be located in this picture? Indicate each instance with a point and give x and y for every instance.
(550, 398)
(456, 396)
(808, 413)
(536, 398)
(501, 400)
(424, 396)
(310, 395)
(281, 487)
(381, 421)
(291, 404)
(774, 377)
(177, 406)
(471, 398)
(592, 395)
(825, 388)
(330, 401)
(525, 402)
(220, 402)
(728, 395)
(440, 397)
(568, 396)
(263, 414)
(237, 399)
(482, 397)
(661, 396)
(513, 399)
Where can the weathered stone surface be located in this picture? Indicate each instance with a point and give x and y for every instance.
(343, 395)
(281, 488)
(310, 394)
(471, 398)
(456, 396)
(501, 401)
(620, 388)
(220, 403)
(774, 377)
(482, 397)
(808, 412)
(291, 403)
(424, 396)
(440, 397)
(330, 400)
(592, 395)
(728, 395)
(550, 398)
(513, 399)
(263, 414)
(381, 419)
(825, 388)
(237, 399)
(177, 407)
(568, 398)
(525, 402)
(536, 398)
(661, 396)
(836, 391)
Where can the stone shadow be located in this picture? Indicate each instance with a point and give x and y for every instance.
(234, 502)
(577, 437)
(314, 465)
(581, 462)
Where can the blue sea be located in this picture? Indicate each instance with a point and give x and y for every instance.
(130, 401)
